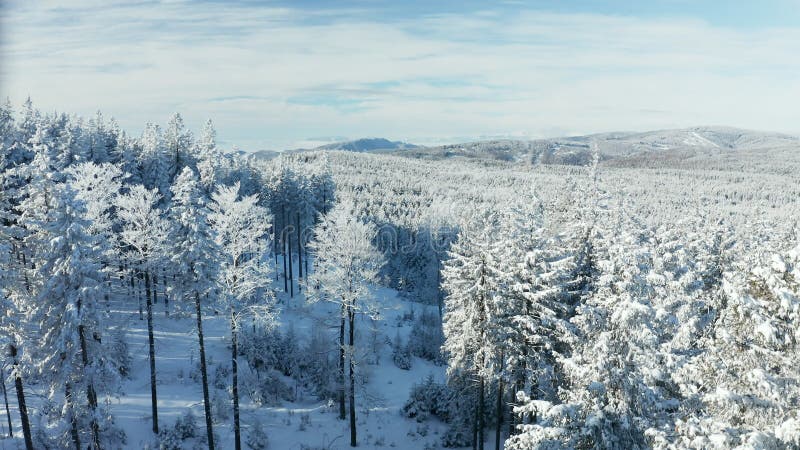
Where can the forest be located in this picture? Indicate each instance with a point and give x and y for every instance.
(160, 292)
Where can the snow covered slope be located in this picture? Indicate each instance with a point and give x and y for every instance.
(576, 150)
(367, 145)
(305, 423)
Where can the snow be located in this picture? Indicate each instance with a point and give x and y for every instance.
(766, 330)
(694, 139)
(176, 348)
(644, 307)
(380, 422)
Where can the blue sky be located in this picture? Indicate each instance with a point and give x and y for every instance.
(284, 74)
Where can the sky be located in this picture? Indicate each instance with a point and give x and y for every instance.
(288, 74)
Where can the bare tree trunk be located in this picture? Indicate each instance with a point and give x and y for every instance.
(91, 395)
(351, 316)
(155, 287)
(106, 295)
(289, 252)
(305, 261)
(275, 247)
(76, 439)
(166, 297)
(481, 413)
(299, 253)
(128, 286)
(25, 272)
(204, 371)
(475, 431)
(439, 297)
(23, 408)
(235, 385)
(283, 250)
(152, 350)
(341, 366)
(5, 398)
(138, 294)
(499, 428)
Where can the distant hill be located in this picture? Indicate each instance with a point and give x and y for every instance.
(365, 145)
(265, 154)
(661, 148)
(618, 148)
(368, 145)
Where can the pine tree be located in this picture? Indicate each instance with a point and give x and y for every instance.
(533, 316)
(142, 239)
(29, 122)
(347, 264)
(70, 353)
(12, 328)
(194, 255)
(156, 161)
(749, 341)
(178, 144)
(472, 282)
(240, 226)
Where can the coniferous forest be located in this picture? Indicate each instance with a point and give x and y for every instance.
(159, 292)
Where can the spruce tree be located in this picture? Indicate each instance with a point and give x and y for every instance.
(240, 229)
(194, 255)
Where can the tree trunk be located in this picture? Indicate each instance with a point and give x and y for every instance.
(475, 431)
(91, 395)
(166, 297)
(439, 297)
(204, 371)
(152, 351)
(129, 286)
(289, 252)
(305, 261)
(132, 292)
(341, 366)
(23, 408)
(499, 428)
(73, 421)
(155, 288)
(5, 398)
(283, 251)
(25, 272)
(139, 295)
(481, 413)
(106, 295)
(299, 253)
(235, 384)
(275, 247)
(351, 316)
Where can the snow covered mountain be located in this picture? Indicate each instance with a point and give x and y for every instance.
(368, 145)
(619, 146)
(364, 145)
(672, 148)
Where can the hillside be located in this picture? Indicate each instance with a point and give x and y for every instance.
(368, 145)
(617, 148)
(364, 145)
(719, 147)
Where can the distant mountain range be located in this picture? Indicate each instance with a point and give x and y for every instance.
(617, 148)
(576, 150)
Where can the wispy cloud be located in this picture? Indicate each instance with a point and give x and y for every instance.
(270, 76)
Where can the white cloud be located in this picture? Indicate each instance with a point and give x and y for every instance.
(273, 76)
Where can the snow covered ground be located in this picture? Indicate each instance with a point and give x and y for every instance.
(307, 423)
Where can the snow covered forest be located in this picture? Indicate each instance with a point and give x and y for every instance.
(159, 292)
